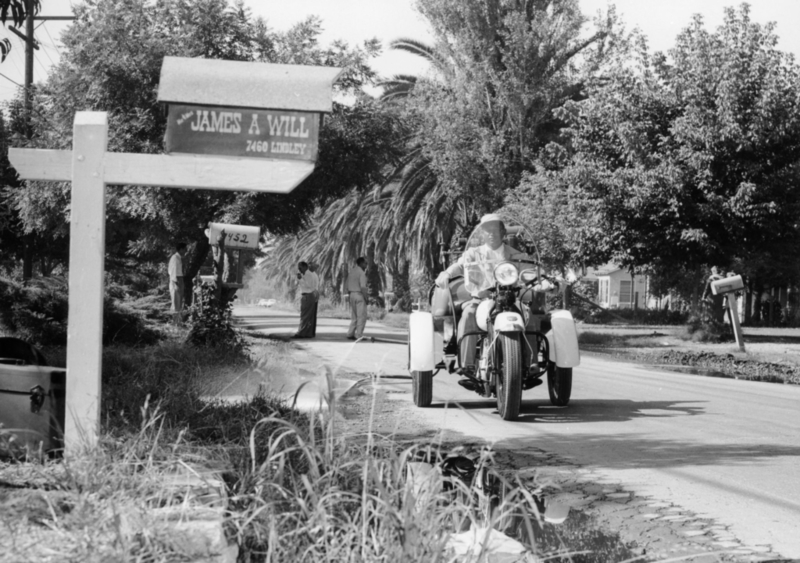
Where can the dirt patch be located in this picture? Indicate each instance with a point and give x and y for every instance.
(721, 365)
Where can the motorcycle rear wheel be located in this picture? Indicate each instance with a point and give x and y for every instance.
(422, 388)
(509, 376)
(559, 385)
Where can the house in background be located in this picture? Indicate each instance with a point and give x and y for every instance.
(617, 289)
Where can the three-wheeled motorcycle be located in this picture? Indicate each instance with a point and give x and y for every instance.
(517, 342)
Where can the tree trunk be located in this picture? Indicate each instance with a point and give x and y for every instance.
(401, 286)
(199, 254)
(757, 303)
(771, 307)
(695, 299)
(374, 279)
(748, 304)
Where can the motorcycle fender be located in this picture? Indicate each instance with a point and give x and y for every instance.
(509, 322)
(485, 308)
(563, 340)
(421, 342)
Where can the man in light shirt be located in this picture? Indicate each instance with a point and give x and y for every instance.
(308, 285)
(477, 266)
(175, 270)
(356, 286)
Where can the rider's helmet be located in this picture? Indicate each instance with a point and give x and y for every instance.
(494, 230)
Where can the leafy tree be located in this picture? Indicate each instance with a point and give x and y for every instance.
(111, 61)
(513, 62)
(689, 159)
(19, 10)
(499, 68)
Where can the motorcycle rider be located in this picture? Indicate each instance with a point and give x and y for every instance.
(480, 262)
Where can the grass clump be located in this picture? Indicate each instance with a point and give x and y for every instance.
(590, 338)
(703, 329)
(297, 488)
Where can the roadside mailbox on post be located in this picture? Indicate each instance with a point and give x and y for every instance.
(232, 125)
(241, 239)
(728, 287)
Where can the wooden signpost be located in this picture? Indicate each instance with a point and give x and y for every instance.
(214, 91)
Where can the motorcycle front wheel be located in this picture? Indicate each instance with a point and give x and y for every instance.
(559, 385)
(509, 376)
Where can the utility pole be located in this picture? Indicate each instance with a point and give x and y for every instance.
(30, 45)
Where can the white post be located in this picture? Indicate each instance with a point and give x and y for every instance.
(734, 311)
(86, 280)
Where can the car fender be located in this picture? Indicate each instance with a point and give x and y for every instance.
(509, 322)
(562, 339)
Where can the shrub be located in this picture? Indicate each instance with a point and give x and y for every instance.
(597, 338)
(212, 322)
(703, 329)
(38, 312)
(637, 316)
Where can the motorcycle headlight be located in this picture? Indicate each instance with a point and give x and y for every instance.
(506, 273)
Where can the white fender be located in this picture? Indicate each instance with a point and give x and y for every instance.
(509, 322)
(563, 340)
(482, 313)
(421, 342)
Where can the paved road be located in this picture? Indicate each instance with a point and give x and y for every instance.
(721, 448)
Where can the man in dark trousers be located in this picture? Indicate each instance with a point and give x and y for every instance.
(308, 285)
(714, 303)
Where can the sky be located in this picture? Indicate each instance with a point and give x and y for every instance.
(359, 20)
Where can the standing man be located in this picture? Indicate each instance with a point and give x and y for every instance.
(308, 285)
(715, 304)
(175, 270)
(356, 286)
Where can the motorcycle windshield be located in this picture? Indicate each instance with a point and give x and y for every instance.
(485, 249)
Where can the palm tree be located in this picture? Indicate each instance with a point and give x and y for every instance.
(400, 224)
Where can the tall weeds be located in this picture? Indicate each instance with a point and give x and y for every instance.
(298, 488)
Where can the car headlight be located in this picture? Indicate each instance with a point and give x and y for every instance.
(506, 273)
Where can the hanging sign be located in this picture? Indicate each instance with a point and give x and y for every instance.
(289, 135)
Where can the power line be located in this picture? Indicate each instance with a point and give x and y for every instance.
(47, 54)
(53, 40)
(7, 78)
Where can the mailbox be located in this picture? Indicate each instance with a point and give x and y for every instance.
(241, 239)
(727, 285)
(236, 236)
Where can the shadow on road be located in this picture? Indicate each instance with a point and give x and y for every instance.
(653, 453)
(581, 411)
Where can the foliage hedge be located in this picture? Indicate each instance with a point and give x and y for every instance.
(637, 316)
(37, 311)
